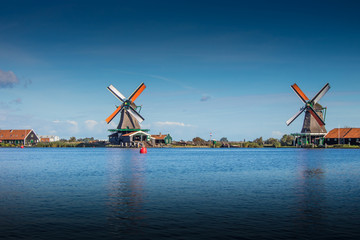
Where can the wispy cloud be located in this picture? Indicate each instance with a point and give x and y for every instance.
(180, 124)
(16, 101)
(8, 79)
(205, 98)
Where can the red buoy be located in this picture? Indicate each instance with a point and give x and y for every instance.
(22, 146)
(143, 150)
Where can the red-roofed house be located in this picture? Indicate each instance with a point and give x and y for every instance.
(343, 136)
(162, 139)
(18, 137)
(134, 138)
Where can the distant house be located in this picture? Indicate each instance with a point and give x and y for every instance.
(19, 137)
(138, 136)
(343, 136)
(42, 139)
(49, 138)
(162, 139)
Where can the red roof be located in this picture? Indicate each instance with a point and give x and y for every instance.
(159, 137)
(14, 134)
(127, 134)
(353, 133)
(344, 133)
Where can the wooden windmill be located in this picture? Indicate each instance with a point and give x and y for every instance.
(130, 114)
(314, 121)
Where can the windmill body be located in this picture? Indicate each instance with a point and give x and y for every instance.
(128, 132)
(127, 121)
(310, 124)
(313, 130)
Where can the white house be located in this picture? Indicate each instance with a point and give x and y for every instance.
(49, 138)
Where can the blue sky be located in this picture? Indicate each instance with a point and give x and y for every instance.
(223, 67)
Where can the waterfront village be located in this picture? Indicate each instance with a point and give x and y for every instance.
(336, 138)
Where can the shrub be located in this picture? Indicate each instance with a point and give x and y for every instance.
(287, 140)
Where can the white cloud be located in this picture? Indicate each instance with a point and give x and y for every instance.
(91, 124)
(277, 134)
(8, 79)
(74, 123)
(180, 124)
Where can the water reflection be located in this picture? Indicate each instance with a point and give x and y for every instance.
(310, 191)
(125, 190)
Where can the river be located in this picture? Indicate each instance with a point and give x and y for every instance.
(101, 193)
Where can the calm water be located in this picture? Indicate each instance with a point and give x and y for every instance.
(95, 193)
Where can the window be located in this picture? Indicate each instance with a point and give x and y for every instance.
(32, 135)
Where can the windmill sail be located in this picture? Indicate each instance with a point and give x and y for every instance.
(130, 118)
(314, 119)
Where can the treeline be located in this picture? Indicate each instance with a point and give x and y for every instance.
(73, 142)
(285, 141)
(80, 140)
(70, 144)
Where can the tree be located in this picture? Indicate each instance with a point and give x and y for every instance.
(271, 141)
(259, 141)
(224, 139)
(287, 140)
(72, 139)
(86, 140)
(199, 141)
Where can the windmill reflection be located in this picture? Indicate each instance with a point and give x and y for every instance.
(125, 189)
(310, 192)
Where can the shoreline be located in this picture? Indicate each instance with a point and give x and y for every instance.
(189, 147)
